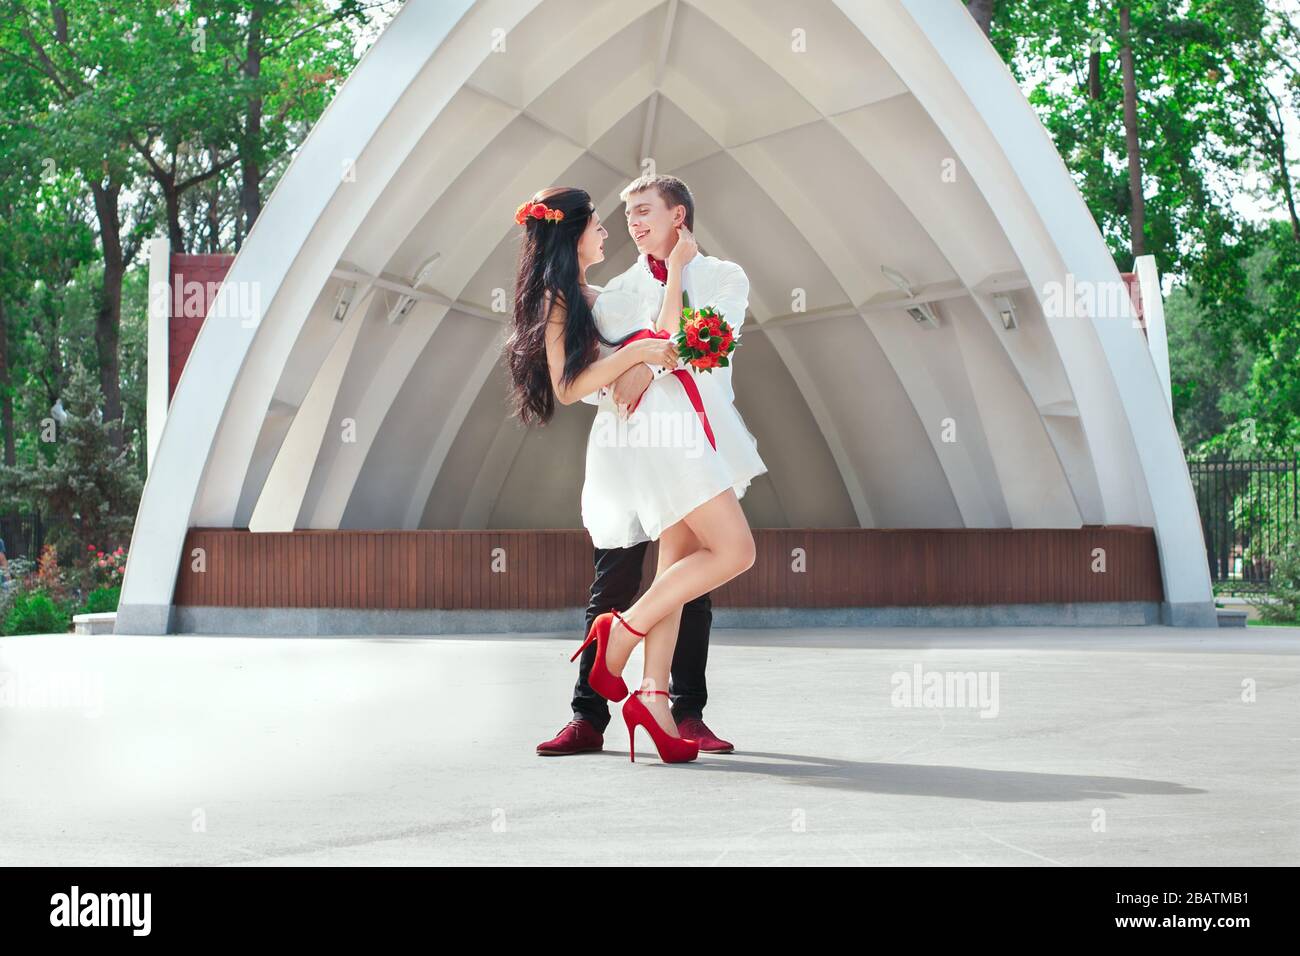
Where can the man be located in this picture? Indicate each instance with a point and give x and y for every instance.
(656, 207)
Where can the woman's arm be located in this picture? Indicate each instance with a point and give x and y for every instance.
(601, 372)
(670, 313)
(684, 250)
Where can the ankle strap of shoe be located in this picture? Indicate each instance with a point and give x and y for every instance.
(627, 625)
(664, 692)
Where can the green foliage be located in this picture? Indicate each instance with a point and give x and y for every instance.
(1237, 388)
(119, 121)
(86, 484)
(1208, 383)
(1274, 387)
(70, 590)
(1211, 131)
(102, 599)
(35, 612)
(1267, 507)
(1282, 603)
(104, 567)
(1181, 55)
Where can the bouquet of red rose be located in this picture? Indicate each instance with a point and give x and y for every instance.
(705, 340)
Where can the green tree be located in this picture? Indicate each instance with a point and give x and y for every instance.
(1164, 110)
(87, 487)
(75, 58)
(279, 64)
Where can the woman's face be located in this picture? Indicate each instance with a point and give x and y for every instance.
(591, 244)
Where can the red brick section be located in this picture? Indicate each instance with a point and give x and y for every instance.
(795, 567)
(1135, 294)
(194, 281)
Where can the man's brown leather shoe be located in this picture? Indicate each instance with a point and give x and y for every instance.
(577, 737)
(709, 742)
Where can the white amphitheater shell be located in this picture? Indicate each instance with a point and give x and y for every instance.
(824, 140)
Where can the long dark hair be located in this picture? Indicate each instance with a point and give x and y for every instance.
(548, 263)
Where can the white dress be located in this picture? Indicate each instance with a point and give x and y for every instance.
(645, 473)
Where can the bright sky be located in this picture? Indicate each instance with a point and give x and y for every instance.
(1250, 206)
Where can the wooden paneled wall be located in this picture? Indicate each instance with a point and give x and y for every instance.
(848, 567)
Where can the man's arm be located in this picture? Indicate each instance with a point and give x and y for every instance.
(731, 298)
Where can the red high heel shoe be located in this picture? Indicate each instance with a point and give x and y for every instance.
(671, 749)
(607, 685)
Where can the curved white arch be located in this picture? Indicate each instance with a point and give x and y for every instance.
(1162, 489)
(444, 136)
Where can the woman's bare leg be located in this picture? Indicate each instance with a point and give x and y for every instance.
(675, 543)
(726, 550)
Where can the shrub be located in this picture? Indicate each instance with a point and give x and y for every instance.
(102, 599)
(35, 612)
(85, 486)
(1281, 605)
(49, 576)
(104, 567)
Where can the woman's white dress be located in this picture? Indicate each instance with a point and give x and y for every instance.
(648, 471)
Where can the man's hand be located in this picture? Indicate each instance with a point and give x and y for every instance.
(629, 386)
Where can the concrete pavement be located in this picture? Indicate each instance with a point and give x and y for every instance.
(1038, 746)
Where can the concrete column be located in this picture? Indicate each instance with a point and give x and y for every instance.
(160, 284)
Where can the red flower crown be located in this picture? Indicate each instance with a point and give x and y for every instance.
(537, 210)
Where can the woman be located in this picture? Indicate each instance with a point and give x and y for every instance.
(567, 341)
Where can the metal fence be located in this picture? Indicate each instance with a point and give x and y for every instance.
(1247, 510)
(23, 534)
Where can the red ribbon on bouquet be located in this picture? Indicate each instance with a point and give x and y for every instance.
(683, 376)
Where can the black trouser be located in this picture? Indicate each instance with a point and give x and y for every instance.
(618, 578)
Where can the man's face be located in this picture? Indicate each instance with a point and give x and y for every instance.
(652, 224)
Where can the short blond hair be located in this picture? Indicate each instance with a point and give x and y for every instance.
(671, 190)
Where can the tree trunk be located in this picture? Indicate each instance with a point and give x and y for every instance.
(108, 318)
(982, 11)
(1278, 131)
(1098, 119)
(175, 234)
(13, 521)
(53, 374)
(1137, 206)
(250, 192)
(1284, 174)
(6, 398)
(214, 209)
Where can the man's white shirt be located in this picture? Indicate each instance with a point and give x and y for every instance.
(706, 281)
